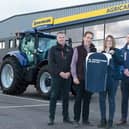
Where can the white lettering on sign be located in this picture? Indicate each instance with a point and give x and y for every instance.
(97, 61)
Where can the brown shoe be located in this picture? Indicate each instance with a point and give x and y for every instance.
(122, 122)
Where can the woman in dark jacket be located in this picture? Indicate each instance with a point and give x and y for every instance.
(112, 82)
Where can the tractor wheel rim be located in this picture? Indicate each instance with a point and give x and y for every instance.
(7, 76)
(43, 86)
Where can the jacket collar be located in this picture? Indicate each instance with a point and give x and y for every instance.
(59, 46)
(104, 51)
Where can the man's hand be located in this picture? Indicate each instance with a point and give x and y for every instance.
(64, 75)
(76, 81)
(67, 74)
(126, 72)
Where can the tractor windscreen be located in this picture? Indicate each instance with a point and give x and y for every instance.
(46, 43)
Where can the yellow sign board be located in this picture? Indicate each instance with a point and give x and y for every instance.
(118, 8)
(80, 16)
(95, 13)
(43, 21)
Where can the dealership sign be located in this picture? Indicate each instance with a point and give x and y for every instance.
(43, 21)
(81, 16)
(118, 8)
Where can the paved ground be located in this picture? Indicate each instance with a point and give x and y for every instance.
(30, 111)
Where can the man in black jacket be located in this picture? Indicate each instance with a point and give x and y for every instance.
(60, 57)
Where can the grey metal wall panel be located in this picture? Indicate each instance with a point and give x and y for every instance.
(23, 22)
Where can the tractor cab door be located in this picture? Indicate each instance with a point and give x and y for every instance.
(45, 43)
(28, 47)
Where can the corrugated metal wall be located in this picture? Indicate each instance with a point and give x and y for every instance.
(23, 22)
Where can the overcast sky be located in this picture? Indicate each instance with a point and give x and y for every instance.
(9, 8)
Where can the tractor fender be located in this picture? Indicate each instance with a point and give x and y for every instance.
(21, 57)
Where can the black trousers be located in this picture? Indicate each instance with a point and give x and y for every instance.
(125, 99)
(59, 87)
(82, 102)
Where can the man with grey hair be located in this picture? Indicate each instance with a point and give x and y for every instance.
(60, 57)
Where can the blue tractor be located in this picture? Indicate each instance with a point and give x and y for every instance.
(28, 65)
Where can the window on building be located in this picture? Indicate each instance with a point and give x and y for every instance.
(98, 44)
(120, 42)
(17, 43)
(98, 30)
(11, 43)
(75, 32)
(117, 28)
(75, 44)
(2, 45)
(54, 32)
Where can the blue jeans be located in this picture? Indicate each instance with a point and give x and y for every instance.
(111, 92)
(125, 98)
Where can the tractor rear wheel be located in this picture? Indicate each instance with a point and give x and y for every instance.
(43, 84)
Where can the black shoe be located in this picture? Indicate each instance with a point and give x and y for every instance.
(51, 122)
(67, 121)
(122, 122)
(86, 123)
(76, 124)
(110, 124)
(102, 124)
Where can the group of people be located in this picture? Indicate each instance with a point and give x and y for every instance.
(67, 65)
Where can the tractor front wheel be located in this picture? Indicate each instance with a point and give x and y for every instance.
(11, 77)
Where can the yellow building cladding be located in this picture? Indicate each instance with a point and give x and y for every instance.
(81, 16)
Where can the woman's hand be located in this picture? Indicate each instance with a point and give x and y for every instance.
(111, 52)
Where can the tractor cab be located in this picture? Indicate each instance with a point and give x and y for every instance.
(35, 46)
